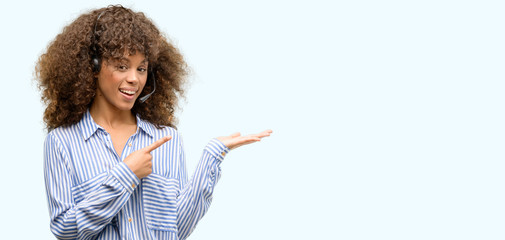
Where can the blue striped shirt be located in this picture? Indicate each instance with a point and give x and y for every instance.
(92, 194)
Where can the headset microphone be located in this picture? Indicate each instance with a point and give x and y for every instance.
(144, 98)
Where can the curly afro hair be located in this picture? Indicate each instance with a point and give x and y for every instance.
(65, 71)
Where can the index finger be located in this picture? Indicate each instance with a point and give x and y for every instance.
(158, 143)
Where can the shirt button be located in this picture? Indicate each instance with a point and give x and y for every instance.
(130, 219)
(129, 145)
(133, 185)
(223, 153)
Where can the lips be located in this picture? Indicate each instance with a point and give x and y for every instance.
(128, 91)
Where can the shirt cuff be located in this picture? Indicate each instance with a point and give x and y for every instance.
(217, 149)
(125, 177)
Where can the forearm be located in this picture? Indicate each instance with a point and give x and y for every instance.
(196, 195)
(82, 213)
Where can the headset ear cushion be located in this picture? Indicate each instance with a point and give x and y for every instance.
(96, 64)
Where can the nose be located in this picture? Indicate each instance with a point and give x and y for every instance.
(132, 76)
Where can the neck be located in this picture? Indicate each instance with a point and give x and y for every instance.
(109, 117)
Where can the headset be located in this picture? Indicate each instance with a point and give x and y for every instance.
(95, 59)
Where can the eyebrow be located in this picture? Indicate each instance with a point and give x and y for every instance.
(144, 61)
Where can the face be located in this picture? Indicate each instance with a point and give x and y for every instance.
(120, 82)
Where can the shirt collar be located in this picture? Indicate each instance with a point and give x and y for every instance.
(145, 126)
(88, 126)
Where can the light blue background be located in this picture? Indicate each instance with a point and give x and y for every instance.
(388, 116)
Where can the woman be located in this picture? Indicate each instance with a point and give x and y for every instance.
(114, 164)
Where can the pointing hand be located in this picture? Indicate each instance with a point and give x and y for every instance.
(140, 161)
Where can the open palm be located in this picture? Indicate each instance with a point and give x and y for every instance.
(236, 140)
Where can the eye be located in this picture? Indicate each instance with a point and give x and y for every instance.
(122, 67)
(142, 69)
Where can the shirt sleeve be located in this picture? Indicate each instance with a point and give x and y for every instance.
(85, 218)
(196, 194)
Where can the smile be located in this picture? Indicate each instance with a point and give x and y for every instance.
(129, 92)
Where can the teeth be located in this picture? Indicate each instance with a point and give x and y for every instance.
(127, 92)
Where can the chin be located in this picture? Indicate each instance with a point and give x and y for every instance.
(125, 106)
(129, 107)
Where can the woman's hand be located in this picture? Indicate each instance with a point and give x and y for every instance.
(235, 140)
(140, 161)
